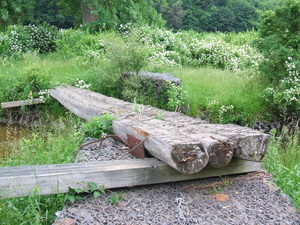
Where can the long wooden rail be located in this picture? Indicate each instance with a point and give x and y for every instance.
(20, 181)
(13, 104)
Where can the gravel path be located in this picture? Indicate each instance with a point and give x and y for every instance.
(241, 199)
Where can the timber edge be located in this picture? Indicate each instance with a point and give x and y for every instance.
(35, 101)
(19, 181)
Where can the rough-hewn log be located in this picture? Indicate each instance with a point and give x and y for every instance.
(218, 140)
(178, 150)
(158, 132)
(20, 181)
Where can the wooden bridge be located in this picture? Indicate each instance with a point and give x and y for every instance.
(184, 148)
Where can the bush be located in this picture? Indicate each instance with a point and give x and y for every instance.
(188, 48)
(42, 37)
(279, 39)
(284, 99)
(26, 85)
(21, 39)
(279, 42)
(97, 126)
(75, 43)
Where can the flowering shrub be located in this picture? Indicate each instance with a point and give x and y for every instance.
(221, 55)
(160, 60)
(285, 97)
(189, 48)
(42, 37)
(224, 113)
(82, 84)
(20, 39)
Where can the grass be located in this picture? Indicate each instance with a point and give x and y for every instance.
(53, 143)
(205, 85)
(207, 91)
(47, 144)
(283, 162)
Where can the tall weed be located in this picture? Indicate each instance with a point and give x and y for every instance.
(47, 144)
(283, 162)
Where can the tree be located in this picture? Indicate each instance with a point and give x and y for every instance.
(279, 32)
(245, 15)
(173, 14)
(225, 19)
(15, 11)
(107, 14)
(50, 12)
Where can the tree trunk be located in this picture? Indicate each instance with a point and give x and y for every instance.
(87, 15)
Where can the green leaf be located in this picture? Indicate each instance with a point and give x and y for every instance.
(93, 186)
(71, 191)
(79, 190)
(79, 197)
(96, 194)
(67, 196)
(72, 198)
(102, 189)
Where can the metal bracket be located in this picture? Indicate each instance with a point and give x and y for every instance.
(136, 146)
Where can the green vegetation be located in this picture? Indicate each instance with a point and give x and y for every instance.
(227, 78)
(97, 126)
(283, 161)
(222, 96)
(77, 194)
(46, 144)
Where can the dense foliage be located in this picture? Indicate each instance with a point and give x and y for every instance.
(279, 42)
(217, 15)
(198, 15)
(19, 39)
(226, 79)
(15, 11)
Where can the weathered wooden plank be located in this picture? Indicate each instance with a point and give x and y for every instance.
(20, 103)
(50, 179)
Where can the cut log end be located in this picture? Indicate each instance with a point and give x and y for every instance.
(189, 158)
(252, 147)
(220, 154)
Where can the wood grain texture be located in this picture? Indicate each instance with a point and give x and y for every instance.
(56, 178)
(221, 142)
(6, 105)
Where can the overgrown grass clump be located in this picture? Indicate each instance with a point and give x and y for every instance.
(283, 162)
(222, 96)
(52, 143)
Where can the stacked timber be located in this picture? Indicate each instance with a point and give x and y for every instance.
(184, 143)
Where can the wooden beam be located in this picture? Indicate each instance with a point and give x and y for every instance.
(56, 178)
(35, 101)
(217, 139)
